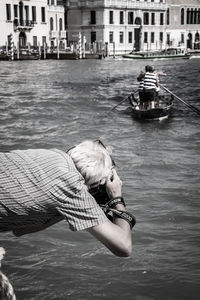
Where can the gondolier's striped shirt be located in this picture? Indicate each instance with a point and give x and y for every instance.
(150, 80)
(36, 186)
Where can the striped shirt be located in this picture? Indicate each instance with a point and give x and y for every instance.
(37, 186)
(150, 80)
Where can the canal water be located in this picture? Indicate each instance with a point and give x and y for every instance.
(48, 104)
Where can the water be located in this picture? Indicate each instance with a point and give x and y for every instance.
(60, 103)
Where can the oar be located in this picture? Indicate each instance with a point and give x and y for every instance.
(122, 101)
(187, 104)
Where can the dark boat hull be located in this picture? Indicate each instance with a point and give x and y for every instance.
(161, 110)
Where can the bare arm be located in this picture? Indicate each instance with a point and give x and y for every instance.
(115, 236)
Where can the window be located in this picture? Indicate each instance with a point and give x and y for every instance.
(130, 37)
(152, 37)
(26, 12)
(145, 37)
(60, 24)
(188, 16)
(43, 14)
(168, 16)
(121, 37)
(182, 38)
(15, 11)
(34, 13)
(44, 40)
(34, 41)
(92, 17)
(130, 17)
(93, 36)
(153, 19)
(121, 17)
(146, 18)
(51, 23)
(196, 16)
(8, 12)
(111, 37)
(161, 19)
(199, 16)
(168, 39)
(111, 20)
(182, 16)
(161, 37)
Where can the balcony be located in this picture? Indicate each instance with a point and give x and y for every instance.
(122, 4)
(62, 34)
(53, 34)
(23, 25)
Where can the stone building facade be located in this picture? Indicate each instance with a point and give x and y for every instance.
(134, 24)
(32, 23)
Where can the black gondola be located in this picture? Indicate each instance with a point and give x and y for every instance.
(160, 110)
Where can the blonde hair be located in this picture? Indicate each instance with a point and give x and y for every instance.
(93, 161)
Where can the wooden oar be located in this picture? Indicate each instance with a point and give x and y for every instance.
(122, 101)
(186, 103)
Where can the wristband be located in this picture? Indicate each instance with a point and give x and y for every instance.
(128, 217)
(113, 202)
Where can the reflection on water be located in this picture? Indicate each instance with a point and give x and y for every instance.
(59, 103)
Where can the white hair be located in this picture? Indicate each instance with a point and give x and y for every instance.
(93, 161)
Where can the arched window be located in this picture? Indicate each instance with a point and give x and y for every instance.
(195, 16)
(182, 16)
(199, 16)
(191, 16)
(51, 23)
(168, 16)
(188, 16)
(60, 24)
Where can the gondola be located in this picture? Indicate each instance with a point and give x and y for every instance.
(162, 107)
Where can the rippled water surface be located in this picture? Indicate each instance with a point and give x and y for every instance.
(60, 103)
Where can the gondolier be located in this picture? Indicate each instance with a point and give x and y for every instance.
(151, 84)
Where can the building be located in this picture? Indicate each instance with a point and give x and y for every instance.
(141, 25)
(183, 24)
(32, 23)
(129, 24)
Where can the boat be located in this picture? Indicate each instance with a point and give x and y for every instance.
(194, 53)
(170, 53)
(159, 111)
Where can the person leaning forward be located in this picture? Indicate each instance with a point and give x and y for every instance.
(40, 187)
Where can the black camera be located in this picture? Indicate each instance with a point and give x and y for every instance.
(100, 194)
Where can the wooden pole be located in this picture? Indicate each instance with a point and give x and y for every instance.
(122, 101)
(181, 100)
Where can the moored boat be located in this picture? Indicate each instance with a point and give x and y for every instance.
(171, 53)
(160, 110)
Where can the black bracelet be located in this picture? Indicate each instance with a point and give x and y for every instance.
(128, 217)
(113, 202)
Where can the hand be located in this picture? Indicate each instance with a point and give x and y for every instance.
(114, 186)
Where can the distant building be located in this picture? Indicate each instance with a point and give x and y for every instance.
(183, 23)
(32, 23)
(134, 24)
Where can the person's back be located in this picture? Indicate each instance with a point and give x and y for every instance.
(150, 85)
(150, 81)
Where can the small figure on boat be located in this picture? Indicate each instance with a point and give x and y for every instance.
(151, 86)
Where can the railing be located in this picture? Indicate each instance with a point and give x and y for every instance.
(130, 4)
(62, 34)
(53, 34)
(23, 23)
